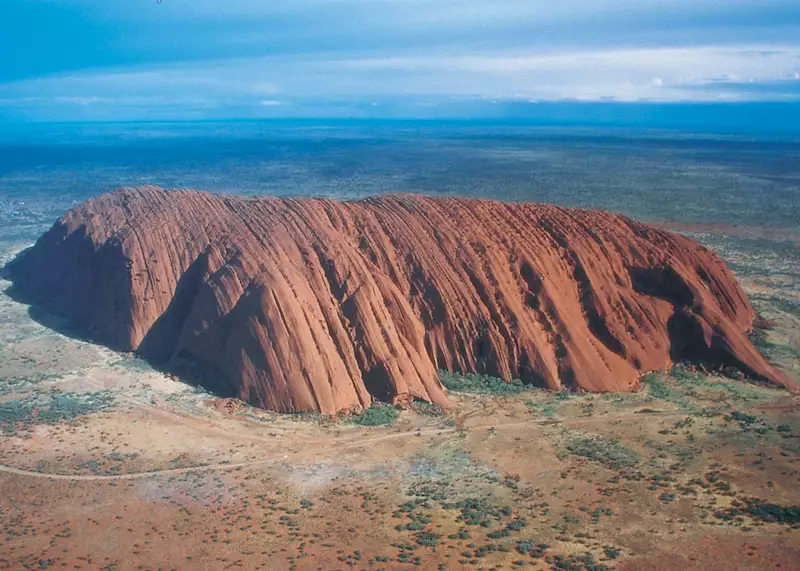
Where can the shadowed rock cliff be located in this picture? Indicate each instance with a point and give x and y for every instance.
(315, 305)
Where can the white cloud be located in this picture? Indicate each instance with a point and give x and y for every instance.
(200, 54)
(245, 85)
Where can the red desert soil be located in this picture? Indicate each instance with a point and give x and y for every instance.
(315, 305)
(720, 553)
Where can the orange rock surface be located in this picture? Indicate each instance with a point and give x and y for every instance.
(309, 304)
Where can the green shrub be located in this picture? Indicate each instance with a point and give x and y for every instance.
(763, 511)
(497, 534)
(378, 414)
(547, 409)
(742, 417)
(427, 539)
(475, 511)
(525, 547)
(675, 388)
(478, 384)
(606, 451)
(656, 387)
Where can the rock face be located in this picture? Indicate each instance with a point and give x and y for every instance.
(314, 305)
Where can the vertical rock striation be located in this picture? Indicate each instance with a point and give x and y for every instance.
(314, 305)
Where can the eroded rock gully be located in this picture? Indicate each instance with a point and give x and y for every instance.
(315, 305)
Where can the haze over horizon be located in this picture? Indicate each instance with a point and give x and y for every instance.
(93, 60)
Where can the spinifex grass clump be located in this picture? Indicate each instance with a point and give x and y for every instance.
(478, 384)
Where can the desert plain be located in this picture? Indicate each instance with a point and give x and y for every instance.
(107, 463)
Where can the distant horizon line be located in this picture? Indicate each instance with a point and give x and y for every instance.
(719, 117)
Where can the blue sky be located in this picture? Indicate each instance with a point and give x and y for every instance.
(185, 59)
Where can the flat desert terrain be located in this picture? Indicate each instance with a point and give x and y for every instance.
(108, 464)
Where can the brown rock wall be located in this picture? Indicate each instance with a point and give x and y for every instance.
(314, 305)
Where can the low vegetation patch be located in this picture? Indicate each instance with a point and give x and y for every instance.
(685, 388)
(427, 539)
(535, 550)
(478, 384)
(553, 400)
(378, 414)
(762, 511)
(656, 387)
(547, 409)
(578, 563)
(475, 511)
(606, 451)
(669, 389)
(428, 409)
(15, 385)
(53, 408)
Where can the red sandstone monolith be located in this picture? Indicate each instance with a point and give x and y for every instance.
(309, 304)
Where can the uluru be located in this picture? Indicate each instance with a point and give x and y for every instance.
(308, 304)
